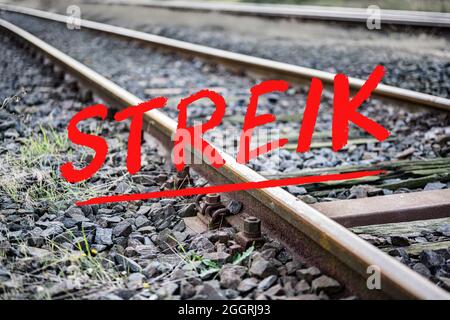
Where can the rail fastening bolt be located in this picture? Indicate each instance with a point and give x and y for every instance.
(213, 198)
(252, 227)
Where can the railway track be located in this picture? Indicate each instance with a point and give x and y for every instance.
(334, 248)
(354, 15)
(249, 63)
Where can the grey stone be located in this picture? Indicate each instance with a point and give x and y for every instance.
(276, 290)
(122, 188)
(269, 253)
(146, 251)
(156, 212)
(68, 222)
(37, 252)
(218, 257)
(105, 211)
(326, 284)
(187, 290)
(231, 294)
(169, 211)
(207, 291)
(444, 230)
(420, 239)
(90, 209)
(126, 264)
(273, 245)
(267, 282)
(201, 244)
(293, 266)
(295, 190)
(187, 211)
(87, 227)
(308, 274)
(234, 206)
(398, 252)
(376, 241)
(147, 230)
(165, 239)
(399, 241)
(247, 284)
(431, 259)
(178, 274)
(262, 268)
(405, 153)
(231, 275)
(103, 236)
(152, 269)
(162, 224)
(308, 199)
(302, 286)
(422, 269)
(35, 239)
(129, 252)
(167, 291)
(80, 243)
(141, 221)
(434, 186)
(108, 222)
(74, 210)
(52, 232)
(135, 280)
(143, 210)
(123, 229)
(79, 218)
(180, 226)
(5, 275)
(180, 236)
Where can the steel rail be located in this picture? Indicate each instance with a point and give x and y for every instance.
(332, 247)
(357, 15)
(246, 62)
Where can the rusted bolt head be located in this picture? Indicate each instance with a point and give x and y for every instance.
(212, 198)
(252, 227)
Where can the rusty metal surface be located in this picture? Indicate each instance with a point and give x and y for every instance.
(386, 209)
(303, 229)
(241, 61)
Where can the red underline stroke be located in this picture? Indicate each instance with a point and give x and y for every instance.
(233, 187)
